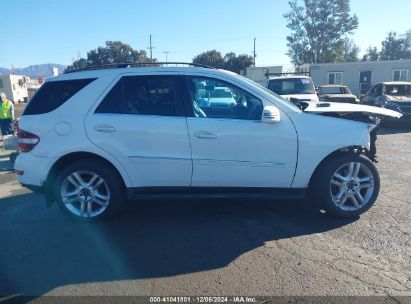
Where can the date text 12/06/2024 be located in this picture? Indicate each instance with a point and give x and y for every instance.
(208, 299)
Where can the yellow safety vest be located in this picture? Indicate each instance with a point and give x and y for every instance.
(5, 112)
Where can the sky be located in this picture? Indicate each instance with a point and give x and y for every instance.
(46, 31)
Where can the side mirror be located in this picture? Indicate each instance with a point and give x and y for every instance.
(271, 115)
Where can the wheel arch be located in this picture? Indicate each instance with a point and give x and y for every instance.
(68, 159)
(342, 151)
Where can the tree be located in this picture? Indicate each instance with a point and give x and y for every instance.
(318, 28)
(371, 54)
(230, 61)
(408, 37)
(238, 63)
(113, 52)
(346, 51)
(395, 47)
(211, 58)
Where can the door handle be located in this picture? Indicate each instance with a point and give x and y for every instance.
(205, 135)
(105, 128)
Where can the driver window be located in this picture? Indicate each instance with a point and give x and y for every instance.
(378, 90)
(371, 91)
(213, 98)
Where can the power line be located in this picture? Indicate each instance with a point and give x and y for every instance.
(166, 52)
(254, 55)
(151, 49)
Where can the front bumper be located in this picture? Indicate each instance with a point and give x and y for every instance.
(405, 110)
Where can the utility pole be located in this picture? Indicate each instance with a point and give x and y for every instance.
(151, 49)
(166, 52)
(254, 55)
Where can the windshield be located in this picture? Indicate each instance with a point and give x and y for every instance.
(220, 94)
(285, 101)
(292, 86)
(398, 90)
(334, 90)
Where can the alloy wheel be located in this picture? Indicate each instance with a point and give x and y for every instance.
(85, 194)
(352, 186)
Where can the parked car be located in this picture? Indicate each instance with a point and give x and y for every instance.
(294, 88)
(336, 93)
(218, 97)
(91, 139)
(391, 95)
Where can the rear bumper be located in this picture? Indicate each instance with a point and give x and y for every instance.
(33, 170)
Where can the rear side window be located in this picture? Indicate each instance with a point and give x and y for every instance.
(144, 95)
(53, 94)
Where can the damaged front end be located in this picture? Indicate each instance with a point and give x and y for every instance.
(361, 113)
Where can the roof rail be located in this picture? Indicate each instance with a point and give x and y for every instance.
(136, 64)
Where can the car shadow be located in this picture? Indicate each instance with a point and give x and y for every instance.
(42, 249)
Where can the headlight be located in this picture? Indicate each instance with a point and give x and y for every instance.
(391, 104)
(371, 128)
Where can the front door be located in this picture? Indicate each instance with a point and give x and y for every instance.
(142, 123)
(231, 147)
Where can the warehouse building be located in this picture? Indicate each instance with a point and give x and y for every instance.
(360, 76)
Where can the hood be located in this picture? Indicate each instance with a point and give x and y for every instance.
(335, 107)
(303, 97)
(400, 98)
(338, 96)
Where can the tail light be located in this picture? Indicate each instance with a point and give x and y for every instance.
(27, 141)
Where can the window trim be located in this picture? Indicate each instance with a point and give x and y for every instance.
(179, 105)
(400, 70)
(189, 104)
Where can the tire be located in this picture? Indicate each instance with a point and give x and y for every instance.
(344, 196)
(13, 157)
(89, 190)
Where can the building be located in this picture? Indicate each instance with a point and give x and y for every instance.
(259, 74)
(15, 87)
(33, 84)
(360, 76)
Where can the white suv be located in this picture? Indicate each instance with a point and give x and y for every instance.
(294, 88)
(94, 138)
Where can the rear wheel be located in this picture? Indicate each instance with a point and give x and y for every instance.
(347, 185)
(88, 190)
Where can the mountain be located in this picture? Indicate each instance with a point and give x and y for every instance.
(43, 70)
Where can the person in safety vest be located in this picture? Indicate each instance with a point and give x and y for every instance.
(6, 115)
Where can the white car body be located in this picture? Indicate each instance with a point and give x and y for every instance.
(303, 97)
(163, 151)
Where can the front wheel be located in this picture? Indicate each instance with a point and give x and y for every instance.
(88, 190)
(346, 185)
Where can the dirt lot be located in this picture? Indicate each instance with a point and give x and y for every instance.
(213, 247)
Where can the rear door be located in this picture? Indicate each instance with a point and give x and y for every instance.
(141, 122)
